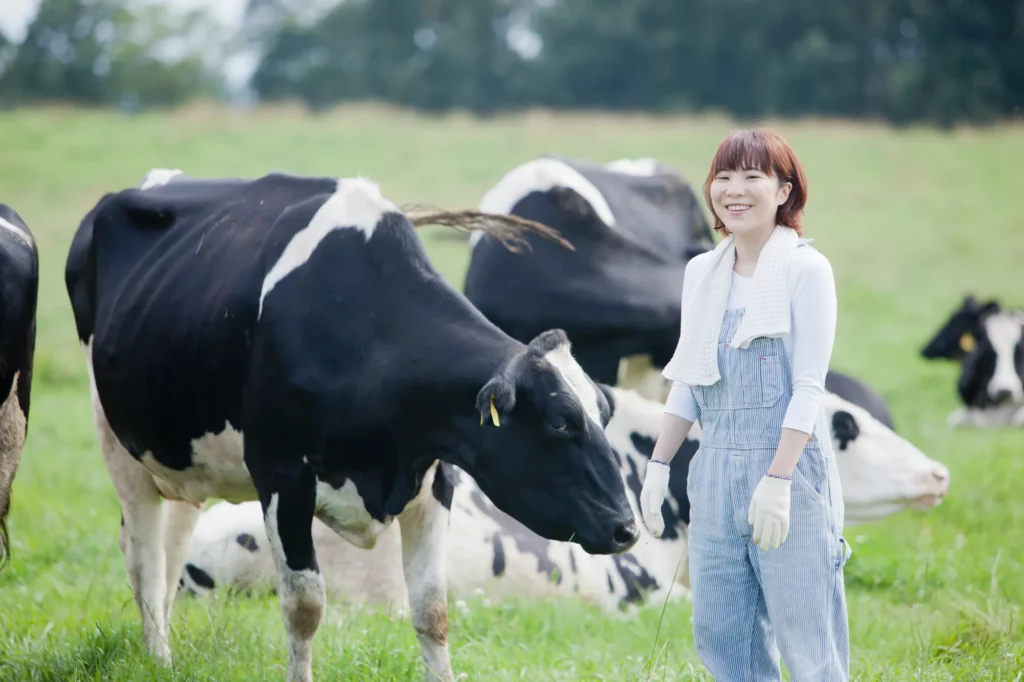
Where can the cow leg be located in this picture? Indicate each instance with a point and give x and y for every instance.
(424, 526)
(289, 497)
(179, 521)
(12, 440)
(141, 537)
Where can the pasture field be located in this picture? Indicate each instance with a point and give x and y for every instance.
(911, 220)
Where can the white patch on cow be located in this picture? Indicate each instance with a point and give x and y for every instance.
(22, 234)
(1004, 333)
(302, 596)
(157, 177)
(646, 166)
(356, 204)
(541, 175)
(217, 470)
(344, 511)
(585, 391)
(880, 471)
(141, 537)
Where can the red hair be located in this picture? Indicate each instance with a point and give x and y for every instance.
(765, 150)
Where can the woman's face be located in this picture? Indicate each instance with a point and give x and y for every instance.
(747, 200)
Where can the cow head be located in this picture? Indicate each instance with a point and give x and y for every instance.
(991, 373)
(881, 472)
(958, 336)
(540, 452)
(229, 550)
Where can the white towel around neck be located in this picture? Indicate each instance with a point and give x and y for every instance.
(695, 361)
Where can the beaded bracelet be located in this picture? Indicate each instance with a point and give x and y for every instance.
(783, 478)
(658, 461)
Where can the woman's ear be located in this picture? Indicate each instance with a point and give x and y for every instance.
(784, 190)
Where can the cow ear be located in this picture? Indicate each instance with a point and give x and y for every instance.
(605, 402)
(844, 428)
(496, 399)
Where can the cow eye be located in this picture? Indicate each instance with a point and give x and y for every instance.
(559, 423)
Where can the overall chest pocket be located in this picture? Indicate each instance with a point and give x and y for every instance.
(751, 377)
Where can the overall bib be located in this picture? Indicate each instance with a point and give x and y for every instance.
(748, 604)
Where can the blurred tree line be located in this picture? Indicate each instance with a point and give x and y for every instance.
(942, 61)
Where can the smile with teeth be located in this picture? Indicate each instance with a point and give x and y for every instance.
(737, 208)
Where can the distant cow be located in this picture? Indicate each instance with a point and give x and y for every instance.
(634, 225)
(287, 339)
(988, 340)
(881, 473)
(19, 285)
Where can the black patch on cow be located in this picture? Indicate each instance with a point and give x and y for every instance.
(572, 560)
(860, 394)
(19, 288)
(611, 585)
(593, 292)
(946, 343)
(247, 541)
(679, 470)
(526, 541)
(444, 485)
(844, 428)
(635, 577)
(498, 566)
(199, 576)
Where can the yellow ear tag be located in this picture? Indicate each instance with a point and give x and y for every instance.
(967, 342)
(494, 413)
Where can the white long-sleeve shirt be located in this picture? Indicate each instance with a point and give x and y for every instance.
(813, 307)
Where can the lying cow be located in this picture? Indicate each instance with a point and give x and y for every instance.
(19, 285)
(989, 343)
(287, 339)
(634, 226)
(880, 471)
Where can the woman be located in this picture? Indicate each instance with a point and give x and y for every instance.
(766, 508)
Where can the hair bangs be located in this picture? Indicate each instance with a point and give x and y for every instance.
(743, 151)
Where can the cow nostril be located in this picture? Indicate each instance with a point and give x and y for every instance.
(626, 533)
(1002, 395)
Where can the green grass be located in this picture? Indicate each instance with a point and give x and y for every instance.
(910, 219)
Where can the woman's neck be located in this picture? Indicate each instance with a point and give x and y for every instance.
(748, 249)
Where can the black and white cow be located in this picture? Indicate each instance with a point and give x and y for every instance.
(634, 225)
(497, 557)
(988, 340)
(287, 339)
(19, 286)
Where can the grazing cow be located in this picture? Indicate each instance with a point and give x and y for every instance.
(634, 225)
(287, 339)
(19, 285)
(988, 340)
(880, 471)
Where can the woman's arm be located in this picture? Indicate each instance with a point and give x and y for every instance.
(814, 329)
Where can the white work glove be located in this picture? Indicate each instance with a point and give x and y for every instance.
(769, 512)
(653, 495)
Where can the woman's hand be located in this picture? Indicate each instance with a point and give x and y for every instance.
(671, 435)
(653, 495)
(769, 512)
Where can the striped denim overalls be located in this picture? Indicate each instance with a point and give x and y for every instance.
(748, 604)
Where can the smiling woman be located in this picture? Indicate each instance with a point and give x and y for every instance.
(766, 506)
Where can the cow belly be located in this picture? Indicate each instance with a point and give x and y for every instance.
(217, 470)
(343, 511)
